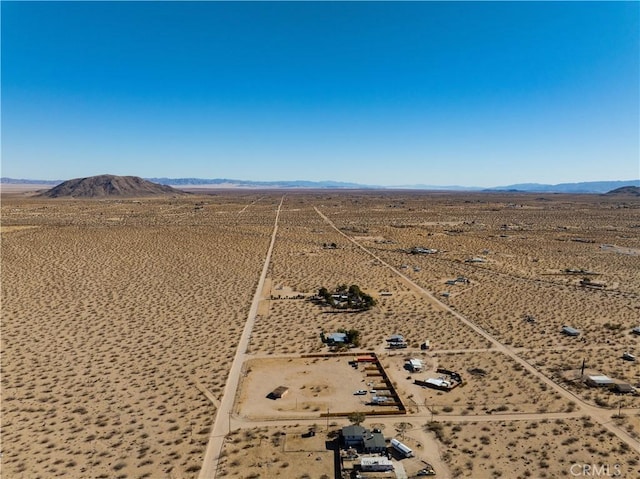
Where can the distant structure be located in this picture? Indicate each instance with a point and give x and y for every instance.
(587, 283)
(414, 365)
(446, 382)
(396, 341)
(475, 260)
(406, 451)
(363, 439)
(376, 464)
(569, 331)
(336, 338)
(279, 392)
(420, 250)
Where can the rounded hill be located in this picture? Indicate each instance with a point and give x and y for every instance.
(625, 191)
(110, 185)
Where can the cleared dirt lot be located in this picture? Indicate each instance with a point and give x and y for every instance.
(503, 385)
(316, 385)
(271, 452)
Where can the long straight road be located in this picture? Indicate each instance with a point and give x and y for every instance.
(603, 417)
(221, 424)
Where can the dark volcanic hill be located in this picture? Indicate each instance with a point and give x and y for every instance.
(625, 191)
(109, 185)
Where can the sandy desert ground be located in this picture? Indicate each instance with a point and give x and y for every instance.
(535, 449)
(120, 318)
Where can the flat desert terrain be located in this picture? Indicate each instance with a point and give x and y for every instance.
(121, 320)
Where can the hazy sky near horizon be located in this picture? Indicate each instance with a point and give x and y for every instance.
(386, 93)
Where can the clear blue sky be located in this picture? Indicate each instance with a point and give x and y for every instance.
(478, 93)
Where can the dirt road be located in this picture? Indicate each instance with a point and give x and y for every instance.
(221, 425)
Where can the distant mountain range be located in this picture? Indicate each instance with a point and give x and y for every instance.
(583, 187)
(259, 184)
(597, 187)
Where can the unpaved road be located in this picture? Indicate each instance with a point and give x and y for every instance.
(221, 424)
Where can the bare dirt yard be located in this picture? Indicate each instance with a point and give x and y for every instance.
(492, 384)
(315, 386)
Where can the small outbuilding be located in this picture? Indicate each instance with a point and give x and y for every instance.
(414, 365)
(623, 388)
(337, 338)
(627, 356)
(569, 331)
(396, 338)
(279, 392)
(599, 381)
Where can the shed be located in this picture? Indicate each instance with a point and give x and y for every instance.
(396, 338)
(415, 364)
(599, 381)
(279, 392)
(623, 388)
(337, 338)
(569, 331)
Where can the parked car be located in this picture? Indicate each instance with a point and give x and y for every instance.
(628, 357)
(360, 392)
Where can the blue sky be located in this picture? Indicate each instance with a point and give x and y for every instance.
(464, 93)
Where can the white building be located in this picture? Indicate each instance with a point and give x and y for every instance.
(415, 365)
(377, 463)
(401, 448)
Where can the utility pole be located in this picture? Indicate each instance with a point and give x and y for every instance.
(582, 370)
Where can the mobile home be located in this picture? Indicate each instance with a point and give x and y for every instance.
(401, 448)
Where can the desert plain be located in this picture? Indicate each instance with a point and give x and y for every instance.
(125, 319)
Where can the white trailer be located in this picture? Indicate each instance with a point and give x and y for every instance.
(401, 448)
